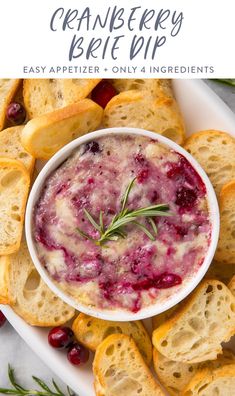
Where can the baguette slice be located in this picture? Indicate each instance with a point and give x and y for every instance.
(45, 135)
(152, 86)
(119, 369)
(30, 297)
(220, 271)
(136, 109)
(8, 89)
(175, 376)
(208, 382)
(14, 188)
(43, 96)
(195, 333)
(4, 279)
(161, 318)
(226, 246)
(231, 285)
(91, 332)
(215, 151)
(11, 147)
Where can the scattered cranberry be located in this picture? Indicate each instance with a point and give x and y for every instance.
(139, 158)
(154, 196)
(185, 197)
(103, 93)
(60, 337)
(93, 147)
(143, 176)
(77, 354)
(2, 319)
(167, 280)
(16, 113)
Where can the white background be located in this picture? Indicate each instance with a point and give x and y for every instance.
(206, 38)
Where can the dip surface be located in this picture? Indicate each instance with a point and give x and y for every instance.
(129, 273)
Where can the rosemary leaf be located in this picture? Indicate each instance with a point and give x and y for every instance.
(145, 230)
(154, 227)
(92, 221)
(126, 195)
(84, 235)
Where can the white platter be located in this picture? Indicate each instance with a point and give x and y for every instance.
(202, 109)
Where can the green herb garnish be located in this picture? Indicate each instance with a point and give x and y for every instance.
(115, 229)
(43, 391)
(229, 81)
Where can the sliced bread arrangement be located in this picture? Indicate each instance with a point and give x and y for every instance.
(194, 333)
(225, 252)
(209, 382)
(44, 135)
(28, 295)
(215, 151)
(43, 96)
(119, 369)
(14, 189)
(188, 355)
(91, 332)
(8, 89)
(140, 109)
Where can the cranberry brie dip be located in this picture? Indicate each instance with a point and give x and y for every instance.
(122, 223)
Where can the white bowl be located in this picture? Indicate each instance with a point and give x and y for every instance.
(120, 314)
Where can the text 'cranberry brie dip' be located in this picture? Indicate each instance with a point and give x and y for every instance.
(123, 223)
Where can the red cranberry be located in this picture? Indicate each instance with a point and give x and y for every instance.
(103, 93)
(167, 280)
(60, 337)
(16, 113)
(139, 158)
(77, 354)
(2, 319)
(143, 176)
(93, 147)
(143, 285)
(154, 196)
(185, 197)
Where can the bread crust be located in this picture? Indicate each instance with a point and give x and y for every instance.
(4, 280)
(160, 333)
(115, 340)
(6, 96)
(46, 134)
(12, 164)
(58, 93)
(206, 376)
(99, 329)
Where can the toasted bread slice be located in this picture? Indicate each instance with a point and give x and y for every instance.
(11, 147)
(175, 376)
(215, 151)
(231, 285)
(220, 271)
(14, 188)
(8, 88)
(161, 318)
(209, 382)
(136, 109)
(152, 86)
(45, 135)
(4, 279)
(119, 369)
(194, 334)
(29, 296)
(43, 96)
(226, 246)
(91, 332)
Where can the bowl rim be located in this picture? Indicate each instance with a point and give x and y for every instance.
(121, 314)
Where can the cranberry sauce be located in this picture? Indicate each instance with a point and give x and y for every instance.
(127, 273)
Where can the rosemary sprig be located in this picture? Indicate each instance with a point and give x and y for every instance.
(228, 81)
(44, 390)
(115, 229)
